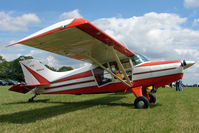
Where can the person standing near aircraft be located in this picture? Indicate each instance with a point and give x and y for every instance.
(171, 85)
(179, 85)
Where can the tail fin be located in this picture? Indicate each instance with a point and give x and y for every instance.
(37, 73)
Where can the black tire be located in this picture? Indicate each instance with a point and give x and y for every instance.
(152, 98)
(141, 102)
(30, 100)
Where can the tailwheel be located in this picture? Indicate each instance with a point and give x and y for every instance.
(32, 98)
(141, 102)
(152, 98)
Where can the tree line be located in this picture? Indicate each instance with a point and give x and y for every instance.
(11, 70)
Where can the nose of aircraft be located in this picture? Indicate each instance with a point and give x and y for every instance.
(187, 64)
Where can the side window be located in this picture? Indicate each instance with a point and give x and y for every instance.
(102, 77)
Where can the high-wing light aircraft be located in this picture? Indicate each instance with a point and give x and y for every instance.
(113, 67)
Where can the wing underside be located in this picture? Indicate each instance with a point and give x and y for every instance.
(78, 39)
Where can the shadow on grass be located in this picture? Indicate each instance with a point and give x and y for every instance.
(155, 105)
(65, 107)
(26, 102)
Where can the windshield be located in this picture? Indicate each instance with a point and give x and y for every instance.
(138, 58)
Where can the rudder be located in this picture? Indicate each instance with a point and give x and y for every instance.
(36, 73)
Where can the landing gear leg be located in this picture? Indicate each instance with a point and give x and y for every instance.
(32, 98)
(145, 93)
(152, 98)
(154, 90)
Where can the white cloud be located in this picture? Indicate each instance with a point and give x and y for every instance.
(11, 53)
(159, 36)
(191, 3)
(60, 60)
(154, 35)
(10, 57)
(50, 61)
(18, 23)
(34, 53)
(70, 15)
(195, 22)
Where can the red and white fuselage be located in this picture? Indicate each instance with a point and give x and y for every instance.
(83, 80)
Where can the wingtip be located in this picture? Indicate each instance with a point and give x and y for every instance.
(11, 44)
(76, 22)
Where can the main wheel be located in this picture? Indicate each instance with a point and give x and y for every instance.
(152, 98)
(141, 102)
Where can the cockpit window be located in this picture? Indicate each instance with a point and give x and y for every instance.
(102, 77)
(138, 59)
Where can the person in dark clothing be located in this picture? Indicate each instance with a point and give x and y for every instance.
(180, 85)
(171, 85)
(177, 85)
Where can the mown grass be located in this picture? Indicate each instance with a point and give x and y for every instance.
(98, 113)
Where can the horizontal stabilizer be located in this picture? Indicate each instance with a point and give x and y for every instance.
(22, 88)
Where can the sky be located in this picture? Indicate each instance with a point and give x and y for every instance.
(160, 30)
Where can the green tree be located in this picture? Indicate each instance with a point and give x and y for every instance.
(51, 68)
(14, 71)
(3, 68)
(65, 68)
(2, 59)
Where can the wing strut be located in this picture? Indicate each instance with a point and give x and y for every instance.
(120, 66)
(96, 62)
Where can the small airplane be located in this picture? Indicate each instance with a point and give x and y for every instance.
(113, 67)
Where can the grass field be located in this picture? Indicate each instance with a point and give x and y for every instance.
(109, 113)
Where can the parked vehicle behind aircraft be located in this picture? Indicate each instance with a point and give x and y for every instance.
(2, 82)
(12, 82)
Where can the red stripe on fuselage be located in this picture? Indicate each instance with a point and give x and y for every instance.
(114, 87)
(41, 79)
(93, 89)
(159, 63)
(76, 76)
(158, 81)
(69, 84)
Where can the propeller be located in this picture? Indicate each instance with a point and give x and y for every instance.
(187, 64)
